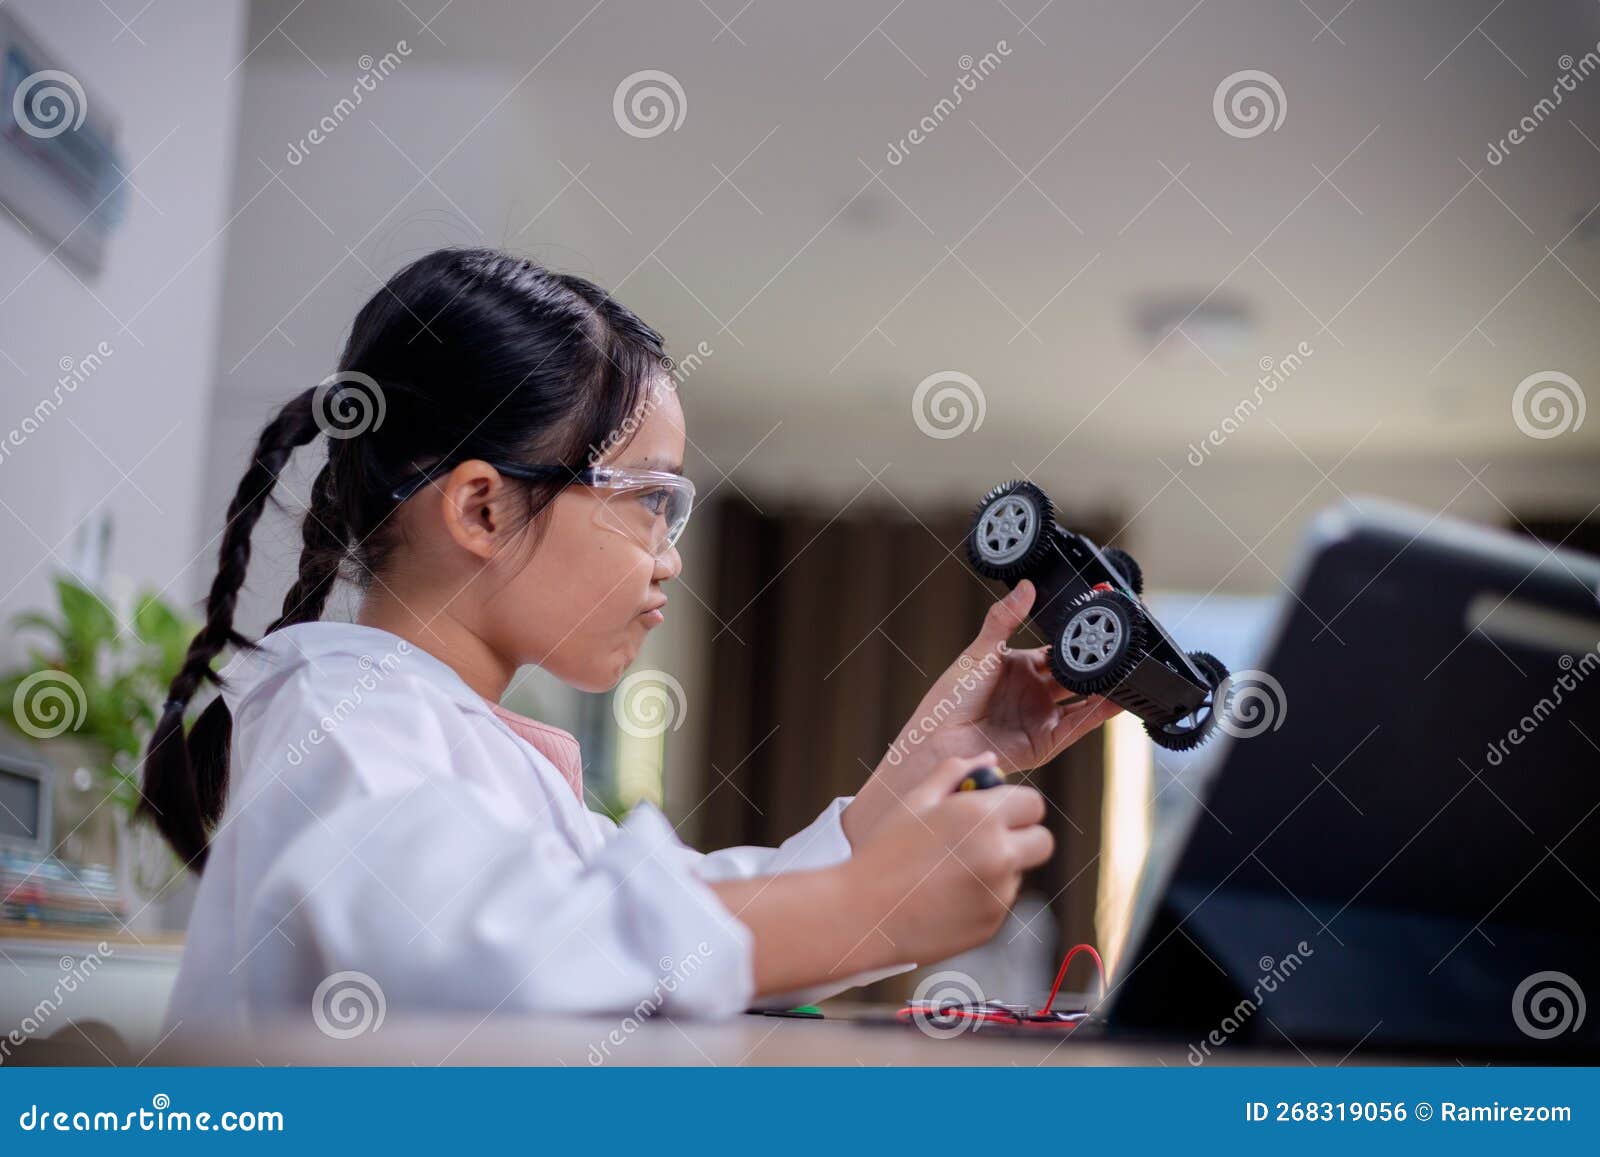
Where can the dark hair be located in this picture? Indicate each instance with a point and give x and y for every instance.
(465, 353)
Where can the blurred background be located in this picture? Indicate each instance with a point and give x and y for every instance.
(1199, 269)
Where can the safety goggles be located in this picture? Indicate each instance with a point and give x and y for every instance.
(649, 507)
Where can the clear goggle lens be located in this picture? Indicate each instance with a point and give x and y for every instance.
(649, 507)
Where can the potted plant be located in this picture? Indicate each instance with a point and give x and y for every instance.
(89, 695)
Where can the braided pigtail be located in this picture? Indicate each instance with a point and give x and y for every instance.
(322, 553)
(185, 779)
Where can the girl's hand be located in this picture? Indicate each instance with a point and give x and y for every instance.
(939, 874)
(991, 698)
(941, 871)
(936, 877)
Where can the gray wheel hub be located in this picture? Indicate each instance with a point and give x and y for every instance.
(1091, 638)
(1007, 529)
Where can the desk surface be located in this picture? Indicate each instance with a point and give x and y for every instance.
(88, 936)
(744, 1040)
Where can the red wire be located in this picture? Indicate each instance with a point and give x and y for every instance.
(1062, 975)
(982, 1014)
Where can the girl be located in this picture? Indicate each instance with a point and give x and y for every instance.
(360, 802)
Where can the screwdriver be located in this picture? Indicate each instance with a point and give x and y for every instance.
(981, 778)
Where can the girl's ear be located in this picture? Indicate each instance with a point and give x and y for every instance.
(471, 500)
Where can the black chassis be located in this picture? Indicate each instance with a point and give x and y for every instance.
(1159, 682)
(1164, 685)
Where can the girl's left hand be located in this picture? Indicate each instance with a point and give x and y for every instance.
(992, 698)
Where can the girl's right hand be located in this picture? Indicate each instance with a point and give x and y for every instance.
(941, 870)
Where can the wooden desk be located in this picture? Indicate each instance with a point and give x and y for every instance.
(745, 1040)
(16, 932)
(129, 988)
(52, 978)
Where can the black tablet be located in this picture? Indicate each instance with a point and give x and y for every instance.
(1397, 843)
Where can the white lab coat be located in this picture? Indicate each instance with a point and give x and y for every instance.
(380, 819)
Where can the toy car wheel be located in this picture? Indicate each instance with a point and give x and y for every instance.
(1192, 730)
(1010, 533)
(1125, 563)
(1101, 638)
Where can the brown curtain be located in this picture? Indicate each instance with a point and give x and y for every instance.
(831, 629)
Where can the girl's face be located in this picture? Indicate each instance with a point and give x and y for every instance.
(591, 591)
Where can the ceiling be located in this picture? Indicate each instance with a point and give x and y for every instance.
(1081, 184)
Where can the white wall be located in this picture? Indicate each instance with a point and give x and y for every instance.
(311, 245)
(146, 411)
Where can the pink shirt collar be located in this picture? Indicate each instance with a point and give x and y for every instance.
(558, 746)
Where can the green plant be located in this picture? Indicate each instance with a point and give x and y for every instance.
(97, 681)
